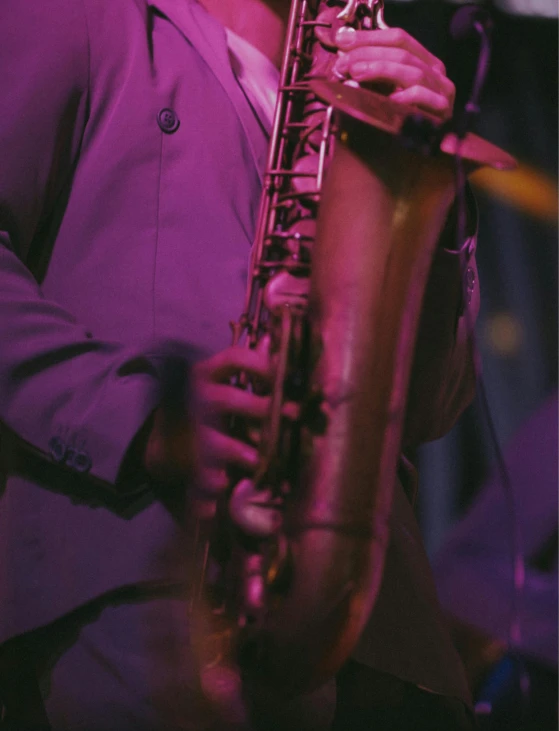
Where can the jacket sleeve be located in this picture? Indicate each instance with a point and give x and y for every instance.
(443, 378)
(63, 394)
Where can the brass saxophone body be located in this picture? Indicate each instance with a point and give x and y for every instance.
(348, 223)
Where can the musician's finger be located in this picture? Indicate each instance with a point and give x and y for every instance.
(425, 99)
(400, 75)
(347, 38)
(224, 399)
(219, 450)
(211, 484)
(227, 363)
(264, 344)
(353, 62)
(374, 53)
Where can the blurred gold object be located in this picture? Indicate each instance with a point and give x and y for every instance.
(529, 190)
(504, 334)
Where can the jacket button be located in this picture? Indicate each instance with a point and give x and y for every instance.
(168, 121)
(82, 462)
(77, 460)
(57, 449)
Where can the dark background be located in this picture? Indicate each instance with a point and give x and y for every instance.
(517, 248)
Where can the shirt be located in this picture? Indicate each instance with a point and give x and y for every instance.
(257, 77)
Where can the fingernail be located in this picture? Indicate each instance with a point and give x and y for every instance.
(345, 36)
(341, 65)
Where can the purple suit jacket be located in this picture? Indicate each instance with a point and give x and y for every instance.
(130, 174)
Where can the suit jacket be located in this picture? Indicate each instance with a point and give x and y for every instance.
(130, 174)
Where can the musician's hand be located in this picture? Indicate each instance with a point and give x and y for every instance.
(200, 443)
(219, 401)
(392, 57)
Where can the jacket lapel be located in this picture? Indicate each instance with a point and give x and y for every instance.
(207, 35)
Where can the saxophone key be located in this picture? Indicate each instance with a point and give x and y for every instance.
(328, 23)
(285, 289)
(255, 510)
(305, 174)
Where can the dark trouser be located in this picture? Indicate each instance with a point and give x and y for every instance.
(123, 664)
(368, 700)
(120, 663)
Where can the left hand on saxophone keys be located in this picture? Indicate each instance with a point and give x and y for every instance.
(394, 59)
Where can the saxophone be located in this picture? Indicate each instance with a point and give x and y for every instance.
(288, 569)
